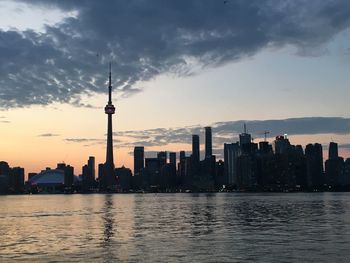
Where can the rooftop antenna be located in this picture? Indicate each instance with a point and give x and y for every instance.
(245, 128)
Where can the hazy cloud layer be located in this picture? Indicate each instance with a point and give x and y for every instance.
(292, 126)
(79, 140)
(4, 120)
(48, 135)
(148, 38)
(227, 132)
(89, 141)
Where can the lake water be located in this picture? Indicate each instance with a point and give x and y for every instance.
(223, 227)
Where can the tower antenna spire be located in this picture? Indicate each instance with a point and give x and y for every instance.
(108, 180)
(110, 84)
(110, 74)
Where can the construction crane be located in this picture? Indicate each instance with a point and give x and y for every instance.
(265, 134)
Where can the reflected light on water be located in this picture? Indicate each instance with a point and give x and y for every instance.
(225, 227)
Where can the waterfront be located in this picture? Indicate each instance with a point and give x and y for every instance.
(221, 227)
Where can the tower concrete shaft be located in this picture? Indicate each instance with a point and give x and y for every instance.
(109, 178)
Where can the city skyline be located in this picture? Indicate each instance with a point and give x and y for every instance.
(54, 113)
(175, 140)
(174, 130)
(247, 166)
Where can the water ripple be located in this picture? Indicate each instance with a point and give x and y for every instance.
(223, 227)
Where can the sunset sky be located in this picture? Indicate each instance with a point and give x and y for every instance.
(177, 66)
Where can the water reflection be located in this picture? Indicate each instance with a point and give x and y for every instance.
(117, 217)
(176, 228)
(203, 219)
(108, 228)
(108, 220)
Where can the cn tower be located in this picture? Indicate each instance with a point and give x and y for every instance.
(109, 179)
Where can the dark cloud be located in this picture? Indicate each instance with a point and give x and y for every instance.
(345, 146)
(226, 132)
(292, 126)
(148, 38)
(48, 135)
(158, 136)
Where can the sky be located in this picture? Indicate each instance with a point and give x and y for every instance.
(177, 66)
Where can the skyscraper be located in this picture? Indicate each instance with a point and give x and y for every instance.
(334, 166)
(182, 164)
(208, 143)
(88, 174)
(109, 179)
(68, 174)
(139, 159)
(333, 150)
(4, 168)
(314, 165)
(182, 155)
(195, 148)
(172, 158)
(162, 156)
(91, 165)
(244, 138)
(231, 153)
(17, 179)
(282, 145)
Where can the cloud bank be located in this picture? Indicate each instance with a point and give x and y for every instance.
(147, 38)
(227, 132)
(3, 119)
(48, 135)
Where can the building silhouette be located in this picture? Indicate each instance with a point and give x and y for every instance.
(281, 144)
(31, 175)
(231, 153)
(151, 173)
(195, 148)
(16, 180)
(88, 175)
(124, 176)
(208, 143)
(91, 165)
(172, 158)
(332, 150)
(181, 170)
(244, 138)
(163, 158)
(68, 174)
(314, 166)
(139, 159)
(334, 167)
